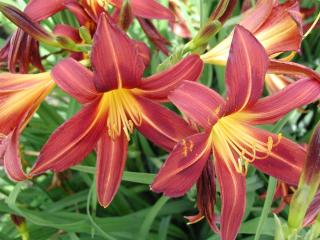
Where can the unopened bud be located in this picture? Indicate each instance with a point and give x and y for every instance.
(85, 34)
(199, 43)
(308, 184)
(24, 22)
(126, 15)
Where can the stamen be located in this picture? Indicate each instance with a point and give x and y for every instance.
(185, 148)
(124, 112)
(245, 145)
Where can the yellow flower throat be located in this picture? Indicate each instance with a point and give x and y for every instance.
(124, 112)
(228, 134)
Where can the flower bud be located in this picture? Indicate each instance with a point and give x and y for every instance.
(308, 184)
(126, 15)
(199, 43)
(24, 22)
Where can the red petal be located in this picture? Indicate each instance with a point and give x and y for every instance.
(73, 140)
(39, 10)
(198, 102)
(148, 9)
(115, 59)
(272, 108)
(255, 17)
(32, 88)
(79, 12)
(158, 86)
(285, 160)
(111, 159)
(292, 68)
(282, 31)
(75, 79)
(143, 51)
(162, 126)
(183, 166)
(12, 161)
(246, 68)
(233, 194)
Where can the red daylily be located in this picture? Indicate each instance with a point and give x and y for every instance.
(268, 21)
(228, 132)
(116, 100)
(88, 13)
(21, 49)
(20, 96)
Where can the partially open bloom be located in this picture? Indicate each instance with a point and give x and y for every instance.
(278, 27)
(115, 100)
(228, 132)
(88, 13)
(20, 96)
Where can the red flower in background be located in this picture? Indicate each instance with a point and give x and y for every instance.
(20, 97)
(21, 49)
(229, 134)
(115, 100)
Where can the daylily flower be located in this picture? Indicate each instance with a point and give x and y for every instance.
(115, 100)
(21, 49)
(20, 96)
(229, 134)
(88, 13)
(278, 27)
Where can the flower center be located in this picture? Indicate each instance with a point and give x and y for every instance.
(232, 138)
(123, 112)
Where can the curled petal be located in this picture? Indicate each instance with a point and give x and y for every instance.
(272, 108)
(162, 126)
(75, 79)
(159, 85)
(73, 140)
(206, 195)
(233, 194)
(111, 159)
(115, 59)
(12, 161)
(291, 68)
(201, 104)
(246, 68)
(183, 166)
